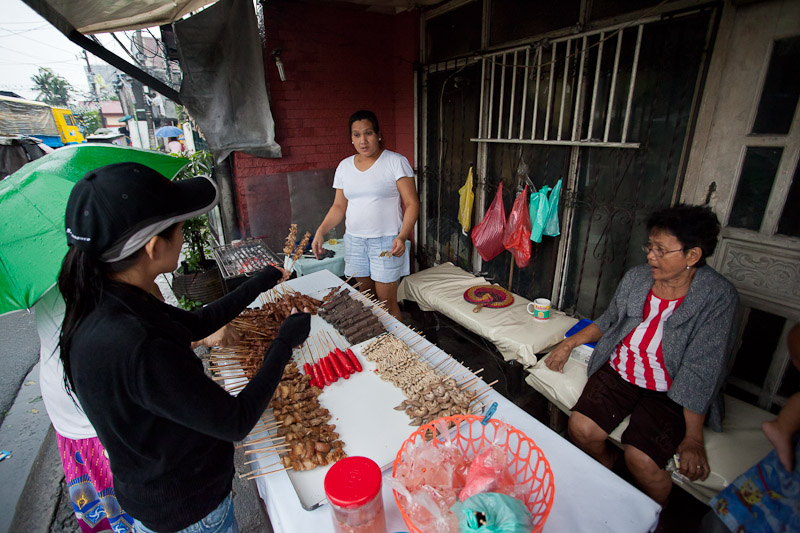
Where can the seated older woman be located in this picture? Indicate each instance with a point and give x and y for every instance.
(661, 354)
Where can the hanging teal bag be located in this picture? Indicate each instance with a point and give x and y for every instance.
(539, 208)
(551, 228)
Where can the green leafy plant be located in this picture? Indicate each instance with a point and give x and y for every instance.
(189, 304)
(196, 230)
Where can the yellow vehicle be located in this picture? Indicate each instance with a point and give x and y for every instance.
(56, 126)
(67, 127)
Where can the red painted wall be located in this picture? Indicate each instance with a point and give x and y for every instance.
(337, 59)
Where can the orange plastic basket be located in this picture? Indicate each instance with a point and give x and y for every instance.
(526, 462)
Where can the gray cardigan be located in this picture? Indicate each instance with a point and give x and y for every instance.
(697, 340)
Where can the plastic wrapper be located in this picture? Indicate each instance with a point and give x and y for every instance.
(487, 236)
(492, 512)
(517, 235)
(429, 481)
(489, 473)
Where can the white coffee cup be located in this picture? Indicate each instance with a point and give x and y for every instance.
(541, 309)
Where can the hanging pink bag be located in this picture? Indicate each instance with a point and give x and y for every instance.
(517, 237)
(488, 235)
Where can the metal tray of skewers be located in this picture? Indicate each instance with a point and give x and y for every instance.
(244, 257)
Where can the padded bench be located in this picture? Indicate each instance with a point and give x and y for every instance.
(740, 445)
(514, 332)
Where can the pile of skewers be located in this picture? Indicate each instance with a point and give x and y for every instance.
(257, 328)
(292, 248)
(298, 429)
(431, 393)
(351, 317)
(326, 370)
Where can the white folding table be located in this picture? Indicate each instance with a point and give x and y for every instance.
(588, 497)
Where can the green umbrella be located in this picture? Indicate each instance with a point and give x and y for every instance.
(32, 205)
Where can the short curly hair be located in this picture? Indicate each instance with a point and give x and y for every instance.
(693, 225)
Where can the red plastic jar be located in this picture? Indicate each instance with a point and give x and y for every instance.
(353, 486)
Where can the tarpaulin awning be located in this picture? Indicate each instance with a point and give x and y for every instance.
(97, 16)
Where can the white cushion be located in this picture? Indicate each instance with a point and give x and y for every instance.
(511, 329)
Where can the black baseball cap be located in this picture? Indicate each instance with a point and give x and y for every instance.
(114, 210)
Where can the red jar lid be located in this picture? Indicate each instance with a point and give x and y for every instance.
(353, 482)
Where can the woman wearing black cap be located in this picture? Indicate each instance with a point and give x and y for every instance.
(168, 429)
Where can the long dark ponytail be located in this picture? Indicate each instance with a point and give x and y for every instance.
(81, 283)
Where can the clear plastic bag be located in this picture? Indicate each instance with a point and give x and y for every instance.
(488, 235)
(517, 235)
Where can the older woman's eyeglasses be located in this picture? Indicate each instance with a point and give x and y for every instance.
(658, 252)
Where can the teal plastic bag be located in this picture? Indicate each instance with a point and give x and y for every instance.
(539, 209)
(551, 228)
(498, 513)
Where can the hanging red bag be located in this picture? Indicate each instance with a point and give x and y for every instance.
(487, 236)
(517, 236)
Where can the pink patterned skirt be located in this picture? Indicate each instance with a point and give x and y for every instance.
(90, 486)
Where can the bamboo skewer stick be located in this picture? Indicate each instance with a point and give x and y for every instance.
(273, 465)
(342, 339)
(273, 448)
(257, 459)
(268, 473)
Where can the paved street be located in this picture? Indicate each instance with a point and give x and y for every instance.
(19, 351)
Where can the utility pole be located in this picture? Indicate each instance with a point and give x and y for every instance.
(140, 57)
(93, 87)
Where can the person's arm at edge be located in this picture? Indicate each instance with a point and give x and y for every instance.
(559, 355)
(408, 192)
(335, 215)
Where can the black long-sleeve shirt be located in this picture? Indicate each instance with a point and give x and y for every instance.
(167, 427)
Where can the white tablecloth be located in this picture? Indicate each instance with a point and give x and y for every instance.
(588, 497)
(308, 265)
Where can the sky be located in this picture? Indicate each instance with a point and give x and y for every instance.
(28, 42)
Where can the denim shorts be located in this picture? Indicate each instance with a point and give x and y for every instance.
(220, 520)
(362, 259)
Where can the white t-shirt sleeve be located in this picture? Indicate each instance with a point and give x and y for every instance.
(67, 417)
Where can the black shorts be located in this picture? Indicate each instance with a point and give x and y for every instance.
(657, 424)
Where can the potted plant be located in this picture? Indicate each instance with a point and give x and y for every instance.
(197, 280)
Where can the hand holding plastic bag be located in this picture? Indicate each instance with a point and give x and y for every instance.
(488, 235)
(517, 235)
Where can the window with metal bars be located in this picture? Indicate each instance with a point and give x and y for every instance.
(574, 91)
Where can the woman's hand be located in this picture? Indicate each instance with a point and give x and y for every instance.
(398, 246)
(316, 245)
(558, 357)
(693, 460)
(227, 335)
(285, 274)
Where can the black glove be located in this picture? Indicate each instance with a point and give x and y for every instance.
(267, 278)
(295, 329)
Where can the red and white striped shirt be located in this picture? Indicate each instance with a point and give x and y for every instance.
(638, 358)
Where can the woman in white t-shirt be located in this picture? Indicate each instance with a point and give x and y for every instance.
(369, 187)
